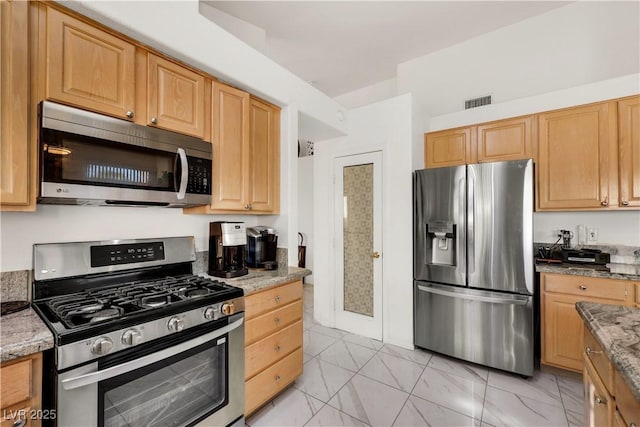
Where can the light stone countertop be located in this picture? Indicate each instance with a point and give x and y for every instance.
(258, 280)
(615, 271)
(23, 333)
(617, 330)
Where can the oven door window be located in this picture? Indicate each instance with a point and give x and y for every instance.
(177, 391)
(74, 159)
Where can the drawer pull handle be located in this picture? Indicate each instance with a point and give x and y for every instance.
(582, 287)
(277, 298)
(589, 350)
(600, 401)
(278, 378)
(277, 320)
(277, 348)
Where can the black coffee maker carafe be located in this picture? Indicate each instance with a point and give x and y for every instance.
(227, 245)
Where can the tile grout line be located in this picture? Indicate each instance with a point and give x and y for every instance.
(411, 392)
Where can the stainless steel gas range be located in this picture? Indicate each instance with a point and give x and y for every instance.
(139, 339)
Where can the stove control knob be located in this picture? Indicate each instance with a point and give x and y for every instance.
(175, 324)
(131, 337)
(209, 313)
(102, 346)
(228, 308)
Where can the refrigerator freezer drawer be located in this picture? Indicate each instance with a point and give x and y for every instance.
(487, 328)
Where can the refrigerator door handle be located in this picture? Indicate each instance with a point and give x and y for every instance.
(461, 227)
(471, 217)
(508, 300)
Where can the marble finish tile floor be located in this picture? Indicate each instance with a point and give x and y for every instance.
(350, 380)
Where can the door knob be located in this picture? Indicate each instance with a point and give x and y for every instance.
(375, 255)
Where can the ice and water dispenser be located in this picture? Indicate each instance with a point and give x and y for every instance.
(441, 243)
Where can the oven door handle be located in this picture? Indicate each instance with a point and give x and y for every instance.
(94, 377)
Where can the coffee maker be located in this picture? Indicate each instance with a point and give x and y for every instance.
(227, 241)
(261, 247)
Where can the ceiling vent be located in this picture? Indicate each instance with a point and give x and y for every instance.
(477, 102)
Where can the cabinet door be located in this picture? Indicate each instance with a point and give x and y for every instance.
(598, 403)
(88, 67)
(562, 330)
(230, 148)
(629, 148)
(577, 148)
(264, 157)
(505, 140)
(176, 97)
(14, 90)
(448, 148)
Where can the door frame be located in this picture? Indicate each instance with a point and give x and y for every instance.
(371, 327)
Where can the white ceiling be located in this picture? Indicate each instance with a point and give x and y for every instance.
(340, 46)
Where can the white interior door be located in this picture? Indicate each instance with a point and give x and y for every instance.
(358, 243)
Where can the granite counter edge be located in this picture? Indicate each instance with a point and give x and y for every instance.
(611, 350)
(585, 272)
(257, 284)
(23, 334)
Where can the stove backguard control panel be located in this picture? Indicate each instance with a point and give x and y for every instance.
(126, 253)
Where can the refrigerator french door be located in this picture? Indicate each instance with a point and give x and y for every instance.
(473, 263)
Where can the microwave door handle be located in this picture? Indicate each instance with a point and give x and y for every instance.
(184, 173)
(94, 377)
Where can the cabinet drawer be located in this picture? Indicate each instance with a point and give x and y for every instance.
(268, 323)
(269, 350)
(585, 286)
(594, 352)
(266, 384)
(626, 402)
(261, 302)
(16, 383)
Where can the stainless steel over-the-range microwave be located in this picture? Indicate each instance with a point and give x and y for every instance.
(92, 159)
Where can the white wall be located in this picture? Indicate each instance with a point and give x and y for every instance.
(580, 43)
(306, 211)
(52, 223)
(376, 92)
(385, 126)
(619, 228)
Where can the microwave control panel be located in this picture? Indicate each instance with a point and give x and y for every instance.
(199, 176)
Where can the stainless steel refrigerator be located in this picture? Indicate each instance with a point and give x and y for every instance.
(473, 263)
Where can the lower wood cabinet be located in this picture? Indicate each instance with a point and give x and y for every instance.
(561, 325)
(608, 399)
(273, 342)
(21, 391)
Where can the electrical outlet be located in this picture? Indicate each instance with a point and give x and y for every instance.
(592, 234)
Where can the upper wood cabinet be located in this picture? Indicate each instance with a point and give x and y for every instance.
(88, 67)
(264, 156)
(175, 97)
(577, 163)
(14, 104)
(629, 150)
(230, 148)
(510, 139)
(450, 147)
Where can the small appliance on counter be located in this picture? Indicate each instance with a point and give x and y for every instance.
(227, 241)
(261, 247)
(585, 256)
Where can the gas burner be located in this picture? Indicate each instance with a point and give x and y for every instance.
(102, 315)
(195, 293)
(154, 301)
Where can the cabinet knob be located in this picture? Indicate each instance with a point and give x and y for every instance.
(605, 202)
(582, 287)
(278, 378)
(129, 114)
(277, 320)
(20, 423)
(632, 425)
(589, 350)
(625, 203)
(154, 120)
(247, 207)
(600, 401)
(277, 298)
(277, 348)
